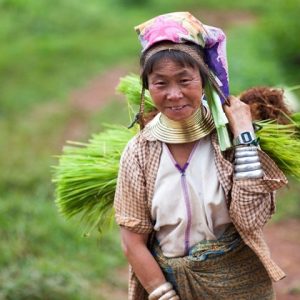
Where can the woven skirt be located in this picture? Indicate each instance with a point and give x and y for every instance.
(222, 269)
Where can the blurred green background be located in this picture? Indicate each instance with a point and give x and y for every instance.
(51, 48)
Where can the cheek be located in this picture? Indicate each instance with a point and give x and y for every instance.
(194, 94)
(156, 96)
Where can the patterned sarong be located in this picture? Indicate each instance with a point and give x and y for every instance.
(222, 269)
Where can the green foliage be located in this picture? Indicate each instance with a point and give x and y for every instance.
(219, 117)
(35, 282)
(252, 63)
(131, 87)
(288, 202)
(296, 117)
(281, 28)
(45, 53)
(42, 255)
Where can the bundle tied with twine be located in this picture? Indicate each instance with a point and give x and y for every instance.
(86, 174)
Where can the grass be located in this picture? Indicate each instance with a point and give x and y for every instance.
(47, 50)
(43, 254)
(252, 60)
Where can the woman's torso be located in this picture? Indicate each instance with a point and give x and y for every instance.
(188, 204)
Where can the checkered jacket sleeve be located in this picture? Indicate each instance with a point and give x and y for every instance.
(253, 200)
(130, 202)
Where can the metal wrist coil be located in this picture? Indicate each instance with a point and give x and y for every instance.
(245, 154)
(164, 292)
(247, 164)
(242, 148)
(247, 167)
(170, 295)
(246, 160)
(249, 175)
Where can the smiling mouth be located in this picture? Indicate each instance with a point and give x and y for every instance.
(177, 107)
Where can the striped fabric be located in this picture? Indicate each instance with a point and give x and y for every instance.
(251, 202)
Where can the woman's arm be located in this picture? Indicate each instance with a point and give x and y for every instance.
(143, 263)
(252, 202)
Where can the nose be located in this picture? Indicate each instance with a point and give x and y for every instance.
(174, 92)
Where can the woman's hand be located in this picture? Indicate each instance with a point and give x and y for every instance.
(239, 115)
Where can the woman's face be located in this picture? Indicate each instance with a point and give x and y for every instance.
(175, 90)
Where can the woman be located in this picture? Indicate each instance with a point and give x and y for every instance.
(191, 220)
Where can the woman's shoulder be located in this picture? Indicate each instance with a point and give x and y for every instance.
(140, 145)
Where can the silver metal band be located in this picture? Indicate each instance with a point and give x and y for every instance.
(243, 148)
(245, 153)
(247, 167)
(160, 291)
(249, 175)
(169, 295)
(246, 160)
(247, 163)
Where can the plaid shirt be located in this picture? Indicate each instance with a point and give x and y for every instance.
(251, 201)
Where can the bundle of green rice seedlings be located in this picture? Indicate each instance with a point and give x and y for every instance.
(296, 118)
(131, 87)
(86, 175)
(282, 143)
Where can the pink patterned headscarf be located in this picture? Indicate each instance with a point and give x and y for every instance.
(181, 27)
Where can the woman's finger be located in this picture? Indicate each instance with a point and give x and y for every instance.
(230, 99)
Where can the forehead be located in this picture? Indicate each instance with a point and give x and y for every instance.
(167, 66)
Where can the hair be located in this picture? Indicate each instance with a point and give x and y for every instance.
(267, 103)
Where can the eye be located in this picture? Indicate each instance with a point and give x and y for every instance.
(185, 81)
(160, 83)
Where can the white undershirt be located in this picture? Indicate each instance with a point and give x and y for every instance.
(188, 208)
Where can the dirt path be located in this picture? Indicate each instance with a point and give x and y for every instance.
(284, 241)
(99, 91)
(93, 97)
